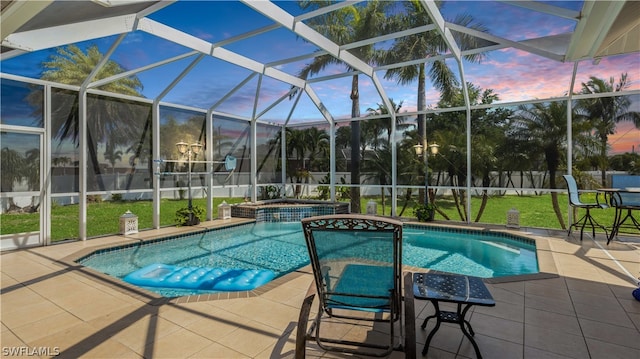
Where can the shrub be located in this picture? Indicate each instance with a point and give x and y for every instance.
(94, 198)
(425, 212)
(182, 216)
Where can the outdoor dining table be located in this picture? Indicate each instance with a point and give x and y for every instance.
(618, 198)
(459, 289)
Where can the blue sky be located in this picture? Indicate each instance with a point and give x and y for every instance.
(514, 75)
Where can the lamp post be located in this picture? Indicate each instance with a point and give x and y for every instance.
(420, 151)
(188, 150)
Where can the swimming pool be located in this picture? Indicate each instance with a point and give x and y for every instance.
(280, 247)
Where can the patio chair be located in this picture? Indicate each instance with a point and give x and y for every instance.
(627, 199)
(357, 263)
(574, 201)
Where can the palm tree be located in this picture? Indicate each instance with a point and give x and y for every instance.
(112, 155)
(425, 45)
(378, 161)
(371, 131)
(409, 166)
(296, 144)
(488, 152)
(12, 168)
(544, 128)
(61, 161)
(317, 143)
(106, 117)
(310, 144)
(343, 142)
(378, 167)
(32, 168)
(316, 148)
(451, 162)
(347, 25)
(384, 124)
(606, 112)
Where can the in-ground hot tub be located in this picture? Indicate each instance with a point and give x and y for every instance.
(287, 210)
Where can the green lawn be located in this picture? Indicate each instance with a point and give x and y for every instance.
(535, 211)
(103, 217)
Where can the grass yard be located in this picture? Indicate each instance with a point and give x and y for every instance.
(535, 211)
(103, 217)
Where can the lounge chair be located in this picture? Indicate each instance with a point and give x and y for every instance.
(574, 201)
(357, 264)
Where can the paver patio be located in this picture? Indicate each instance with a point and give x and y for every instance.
(586, 311)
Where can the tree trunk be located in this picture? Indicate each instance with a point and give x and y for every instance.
(485, 183)
(556, 209)
(93, 155)
(554, 199)
(407, 197)
(603, 161)
(355, 146)
(138, 152)
(422, 124)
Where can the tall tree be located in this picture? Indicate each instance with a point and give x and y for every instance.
(544, 128)
(383, 124)
(606, 112)
(409, 166)
(317, 143)
(426, 45)
(488, 127)
(70, 65)
(343, 145)
(296, 144)
(423, 46)
(376, 133)
(347, 25)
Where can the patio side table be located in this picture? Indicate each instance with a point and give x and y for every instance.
(462, 290)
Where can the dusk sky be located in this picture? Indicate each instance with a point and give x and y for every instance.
(512, 74)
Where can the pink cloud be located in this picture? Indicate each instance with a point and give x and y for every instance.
(517, 75)
(626, 139)
(611, 67)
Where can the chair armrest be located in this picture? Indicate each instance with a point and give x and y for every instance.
(303, 319)
(409, 317)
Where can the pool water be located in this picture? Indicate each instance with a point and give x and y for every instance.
(280, 247)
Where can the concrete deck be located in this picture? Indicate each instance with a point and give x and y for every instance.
(50, 306)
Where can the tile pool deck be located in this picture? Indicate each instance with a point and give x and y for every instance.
(584, 310)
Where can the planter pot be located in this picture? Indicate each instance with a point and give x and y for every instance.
(192, 221)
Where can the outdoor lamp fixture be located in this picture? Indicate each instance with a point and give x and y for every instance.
(433, 148)
(419, 149)
(189, 150)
